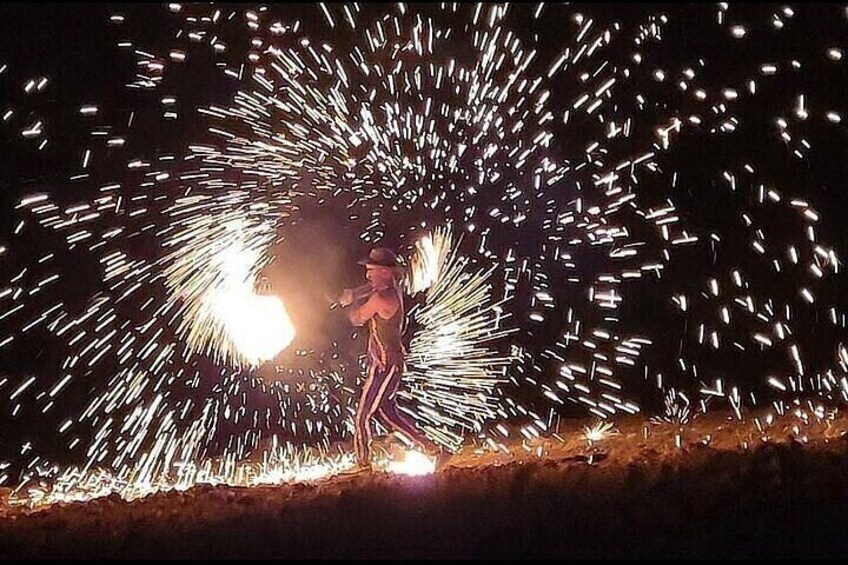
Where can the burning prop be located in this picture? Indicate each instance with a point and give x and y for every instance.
(227, 319)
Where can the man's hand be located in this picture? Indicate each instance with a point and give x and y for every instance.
(346, 298)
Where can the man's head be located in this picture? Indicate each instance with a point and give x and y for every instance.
(381, 266)
(380, 275)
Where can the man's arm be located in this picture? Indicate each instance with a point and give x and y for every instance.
(361, 314)
(376, 305)
(351, 295)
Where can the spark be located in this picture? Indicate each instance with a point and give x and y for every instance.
(598, 432)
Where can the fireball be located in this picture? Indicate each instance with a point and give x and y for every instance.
(258, 326)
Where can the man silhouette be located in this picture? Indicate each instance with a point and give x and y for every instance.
(379, 304)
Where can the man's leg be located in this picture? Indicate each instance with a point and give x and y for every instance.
(368, 404)
(390, 416)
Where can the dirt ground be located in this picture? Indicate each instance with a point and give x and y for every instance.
(644, 492)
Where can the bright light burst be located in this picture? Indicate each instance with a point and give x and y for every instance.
(414, 464)
(430, 258)
(230, 321)
(258, 326)
(599, 432)
(452, 370)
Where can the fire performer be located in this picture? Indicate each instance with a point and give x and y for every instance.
(379, 303)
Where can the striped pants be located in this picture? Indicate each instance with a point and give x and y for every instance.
(378, 399)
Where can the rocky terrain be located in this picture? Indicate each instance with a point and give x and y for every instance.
(714, 488)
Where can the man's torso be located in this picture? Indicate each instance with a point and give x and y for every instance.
(385, 344)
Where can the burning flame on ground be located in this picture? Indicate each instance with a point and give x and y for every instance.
(414, 463)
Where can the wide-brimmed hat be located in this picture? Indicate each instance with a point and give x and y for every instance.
(381, 257)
